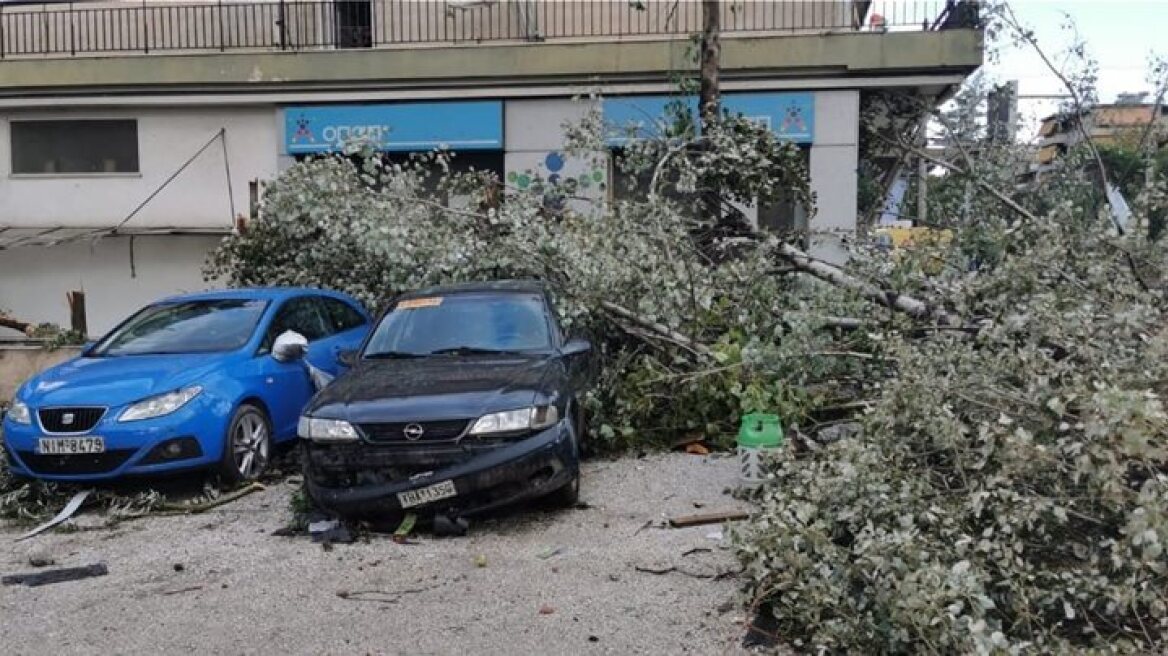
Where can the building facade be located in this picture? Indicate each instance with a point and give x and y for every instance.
(133, 135)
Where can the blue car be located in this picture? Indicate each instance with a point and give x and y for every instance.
(193, 381)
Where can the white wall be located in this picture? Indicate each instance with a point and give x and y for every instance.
(534, 141)
(34, 279)
(197, 198)
(834, 160)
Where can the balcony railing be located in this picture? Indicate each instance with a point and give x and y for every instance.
(146, 26)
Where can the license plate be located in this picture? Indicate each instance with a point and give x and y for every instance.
(411, 498)
(56, 446)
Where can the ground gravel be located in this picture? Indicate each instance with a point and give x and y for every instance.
(221, 583)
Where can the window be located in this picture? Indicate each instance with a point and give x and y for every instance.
(302, 315)
(341, 314)
(489, 322)
(50, 147)
(354, 23)
(186, 327)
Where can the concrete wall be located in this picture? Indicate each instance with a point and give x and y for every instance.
(19, 363)
(34, 279)
(834, 158)
(558, 62)
(197, 198)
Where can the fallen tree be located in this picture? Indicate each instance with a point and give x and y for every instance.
(1007, 490)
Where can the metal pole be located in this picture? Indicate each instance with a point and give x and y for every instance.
(283, 34)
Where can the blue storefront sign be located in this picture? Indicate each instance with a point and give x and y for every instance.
(790, 115)
(399, 127)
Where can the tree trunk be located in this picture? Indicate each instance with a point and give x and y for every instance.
(711, 60)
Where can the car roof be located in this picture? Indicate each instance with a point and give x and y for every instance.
(252, 293)
(488, 286)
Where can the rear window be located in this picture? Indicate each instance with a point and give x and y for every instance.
(206, 326)
(341, 314)
(489, 322)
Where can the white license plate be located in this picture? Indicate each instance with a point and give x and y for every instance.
(55, 446)
(411, 498)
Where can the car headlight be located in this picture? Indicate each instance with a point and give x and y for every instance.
(161, 405)
(325, 430)
(19, 413)
(515, 421)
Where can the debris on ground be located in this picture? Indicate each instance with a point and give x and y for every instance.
(330, 531)
(192, 588)
(549, 552)
(444, 526)
(405, 528)
(178, 567)
(697, 449)
(51, 576)
(41, 559)
(480, 561)
(683, 521)
(546, 610)
(65, 514)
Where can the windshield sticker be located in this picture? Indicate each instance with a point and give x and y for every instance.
(414, 303)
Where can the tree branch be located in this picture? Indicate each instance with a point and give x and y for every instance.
(14, 324)
(900, 302)
(659, 329)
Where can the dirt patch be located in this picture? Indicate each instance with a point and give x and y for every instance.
(594, 579)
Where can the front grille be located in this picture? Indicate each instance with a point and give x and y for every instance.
(79, 463)
(69, 420)
(432, 431)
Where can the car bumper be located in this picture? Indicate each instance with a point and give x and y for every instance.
(128, 445)
(485, 479)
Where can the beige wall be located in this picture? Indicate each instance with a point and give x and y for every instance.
(197, 198)
(19, 363)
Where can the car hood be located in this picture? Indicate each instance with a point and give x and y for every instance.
(433, 388)
(113, 381)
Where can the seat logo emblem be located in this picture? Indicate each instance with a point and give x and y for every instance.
(67, 418)
(413, 432)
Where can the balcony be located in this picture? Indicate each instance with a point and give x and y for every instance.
(124, 27)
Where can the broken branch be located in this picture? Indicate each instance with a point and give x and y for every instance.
(660, 330)
(708, 518)
(828, 273)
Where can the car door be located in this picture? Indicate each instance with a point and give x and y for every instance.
(289, 386)
(349, 327)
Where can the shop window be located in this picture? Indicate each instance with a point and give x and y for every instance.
(74, 147)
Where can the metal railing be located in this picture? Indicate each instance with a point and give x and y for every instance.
(146, 26)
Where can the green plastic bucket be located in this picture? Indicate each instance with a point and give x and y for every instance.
(758, 435)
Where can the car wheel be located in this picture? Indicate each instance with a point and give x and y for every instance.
(569, 495)
(247, 447)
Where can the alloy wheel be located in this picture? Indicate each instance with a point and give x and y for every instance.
(250, 444)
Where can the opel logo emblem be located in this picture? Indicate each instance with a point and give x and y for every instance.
(413, 432)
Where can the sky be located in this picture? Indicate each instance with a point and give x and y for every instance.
(1120, 34)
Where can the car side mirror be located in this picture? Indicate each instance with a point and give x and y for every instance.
(289, 347)
(347, 357)
(576, 347)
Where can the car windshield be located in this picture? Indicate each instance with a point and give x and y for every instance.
(205, 326)
(462, 324)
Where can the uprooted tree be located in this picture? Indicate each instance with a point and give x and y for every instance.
(1006, 484)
